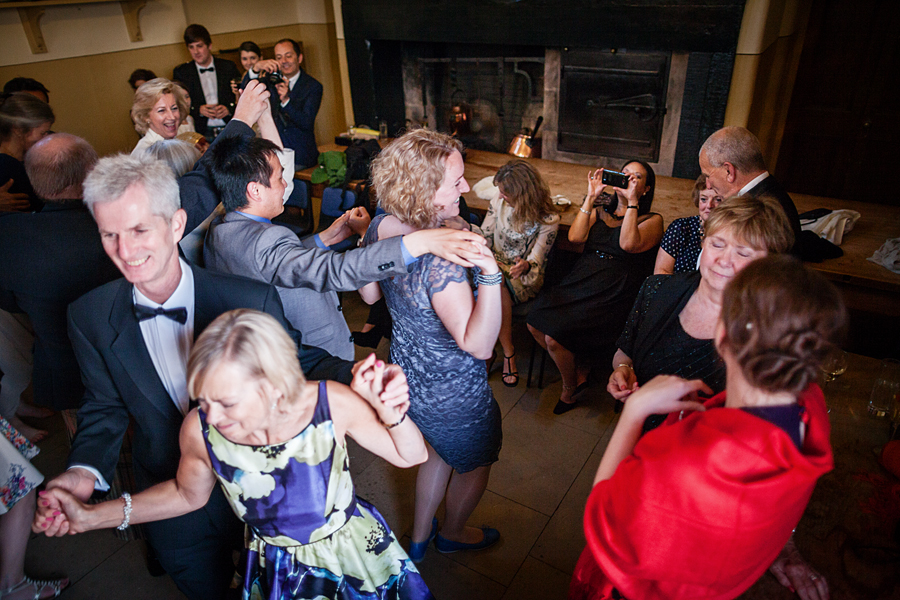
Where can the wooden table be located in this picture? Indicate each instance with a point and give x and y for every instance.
(866, 285)
(847, 528)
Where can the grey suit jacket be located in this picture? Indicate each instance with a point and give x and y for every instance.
(306, 276)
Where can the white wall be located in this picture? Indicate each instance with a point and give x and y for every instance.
(83, 30)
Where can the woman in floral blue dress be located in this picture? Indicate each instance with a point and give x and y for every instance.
(276, 444)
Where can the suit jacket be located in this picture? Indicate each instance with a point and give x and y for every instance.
(305, 275)
(187, 74)
(770, 187)
(49, 259)
(120, 378)
(296, 121)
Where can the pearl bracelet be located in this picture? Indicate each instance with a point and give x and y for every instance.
(127, 498)
(392, 425)
(494, 279)
(587, 212)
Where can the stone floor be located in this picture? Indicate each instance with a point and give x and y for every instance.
(535, 497)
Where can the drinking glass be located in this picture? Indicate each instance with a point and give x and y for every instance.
(886, 392)
(834, 365)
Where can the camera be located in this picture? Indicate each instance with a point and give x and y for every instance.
(271, 78)
(615, 179)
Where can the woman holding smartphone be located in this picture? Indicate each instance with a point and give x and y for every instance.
(582, 315)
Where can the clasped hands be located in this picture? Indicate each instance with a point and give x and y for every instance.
(214, 111)
(383, 386)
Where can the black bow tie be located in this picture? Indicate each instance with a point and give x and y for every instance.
(145, 312)
(207, 69)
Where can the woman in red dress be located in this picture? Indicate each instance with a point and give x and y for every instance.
(700, 507)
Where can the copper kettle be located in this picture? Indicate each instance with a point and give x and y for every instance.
(522, 144)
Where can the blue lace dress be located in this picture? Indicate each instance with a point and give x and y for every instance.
(308, 535)
(450, 399)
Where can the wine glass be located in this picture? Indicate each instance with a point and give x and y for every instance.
(834, 365)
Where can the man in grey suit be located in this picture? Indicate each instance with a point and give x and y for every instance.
(245, 242)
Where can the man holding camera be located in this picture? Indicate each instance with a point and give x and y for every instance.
(300, 97)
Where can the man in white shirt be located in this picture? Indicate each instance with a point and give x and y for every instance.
(208, 82)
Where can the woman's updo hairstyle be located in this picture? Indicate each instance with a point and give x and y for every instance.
(781, 319)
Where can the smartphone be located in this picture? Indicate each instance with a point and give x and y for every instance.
(615, 179)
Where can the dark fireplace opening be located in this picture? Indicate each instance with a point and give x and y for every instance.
(483, 94)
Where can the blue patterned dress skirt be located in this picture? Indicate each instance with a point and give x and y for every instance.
(450, 399)
(308, 535)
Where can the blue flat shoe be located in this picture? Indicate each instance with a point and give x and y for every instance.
(417, 549)
(445, 546)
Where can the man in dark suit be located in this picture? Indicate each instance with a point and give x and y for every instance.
(51, 258)
(733, 163)
(133, 362)
(208, 82)
(300, 96)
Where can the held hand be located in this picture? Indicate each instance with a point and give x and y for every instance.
(358, 220)
(456, 246)
(372, 378)
(12, 202)
(595, 184)
(521, 267)
(252, 103)
(665, 394)
(622, 383)
(486, 261)
(396, 387)
(70, 516)
(797, 575)
(338, 231)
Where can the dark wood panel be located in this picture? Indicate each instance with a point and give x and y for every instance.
(705, 25)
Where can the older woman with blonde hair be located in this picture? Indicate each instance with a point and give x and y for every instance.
(520, 227)
(157, 111)
(277, 445)
(671, 327)
(441, 335)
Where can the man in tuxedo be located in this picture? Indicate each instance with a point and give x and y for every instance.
(132, 338)
(300, 96)
(43, 273)
(733, 163)
(208, 82)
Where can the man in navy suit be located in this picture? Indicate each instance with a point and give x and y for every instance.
(299, 99)
(208, 82)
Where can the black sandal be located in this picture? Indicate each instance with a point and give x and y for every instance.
(509, 373)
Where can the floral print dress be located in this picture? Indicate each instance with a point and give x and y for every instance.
(308, 535)
(20, 477)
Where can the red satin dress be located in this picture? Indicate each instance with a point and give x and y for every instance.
(702, 507)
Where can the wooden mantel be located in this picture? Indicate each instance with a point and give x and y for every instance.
(30, 14)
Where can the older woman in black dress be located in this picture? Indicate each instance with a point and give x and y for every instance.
(671, 326)
(581, 316)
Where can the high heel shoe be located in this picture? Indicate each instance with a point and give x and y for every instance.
(417, 549)
(507, 360)
(561, 407)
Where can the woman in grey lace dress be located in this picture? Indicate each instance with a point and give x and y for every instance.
(442, 333)
(520, 227)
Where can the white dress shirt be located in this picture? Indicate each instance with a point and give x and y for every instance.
(169, 344)
(752, 183)
(210, 86)
(291, 83)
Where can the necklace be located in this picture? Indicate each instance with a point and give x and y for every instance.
(616, 217)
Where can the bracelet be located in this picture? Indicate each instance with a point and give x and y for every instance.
(587, 212)
(392, 425)
(630, 206)
(494, 279)
(625, 365)
(127, 498)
